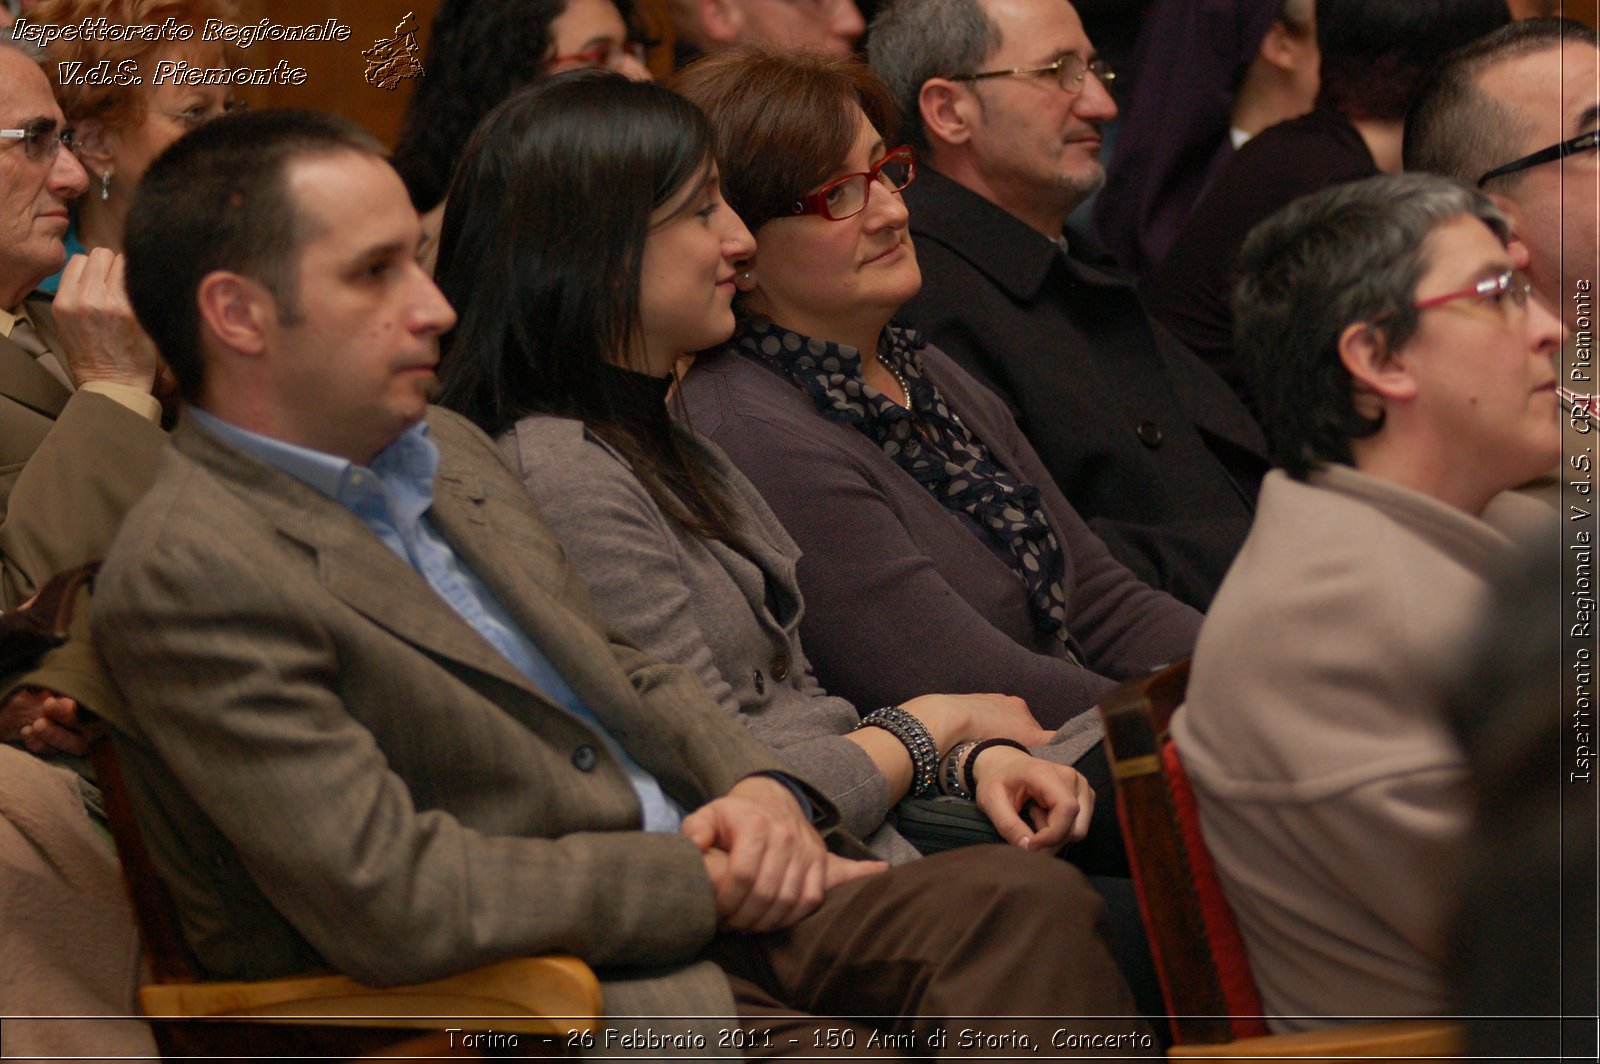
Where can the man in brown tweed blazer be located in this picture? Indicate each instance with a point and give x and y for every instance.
(377, 727)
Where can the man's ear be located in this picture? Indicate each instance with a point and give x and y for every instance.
(240, 312)
(948, 111)
(1512, 209)
(722, 21)
(1285, 49)
(1380, 375)
(93, 145)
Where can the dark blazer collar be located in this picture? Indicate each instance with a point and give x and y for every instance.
(1007, 250)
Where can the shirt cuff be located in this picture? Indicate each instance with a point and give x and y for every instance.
(144, 404)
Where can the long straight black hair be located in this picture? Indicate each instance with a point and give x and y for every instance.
(540, 255)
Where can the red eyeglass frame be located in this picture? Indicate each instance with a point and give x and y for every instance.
(817, 202)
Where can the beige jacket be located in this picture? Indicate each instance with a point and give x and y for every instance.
(1331, 793)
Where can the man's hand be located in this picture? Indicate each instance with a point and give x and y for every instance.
(100, 336)
(43, 721)
(1008, 780)
(767, 864)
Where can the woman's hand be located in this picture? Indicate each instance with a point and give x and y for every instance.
(1008, 780)
(953, 719)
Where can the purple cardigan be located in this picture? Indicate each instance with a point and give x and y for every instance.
(901, 597)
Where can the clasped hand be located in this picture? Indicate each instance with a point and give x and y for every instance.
(43, 721)
(1008, 780)
(767, 865)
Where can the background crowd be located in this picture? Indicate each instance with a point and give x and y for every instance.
(651, 498)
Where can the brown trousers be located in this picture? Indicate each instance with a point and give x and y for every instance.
(982, 951)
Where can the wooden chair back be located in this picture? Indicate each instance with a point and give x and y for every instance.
(166, 950)
(1199, 955)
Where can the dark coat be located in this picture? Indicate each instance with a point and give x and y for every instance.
(1192, 291)
(1144, 439)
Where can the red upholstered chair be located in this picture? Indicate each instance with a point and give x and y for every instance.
(1214, 1006)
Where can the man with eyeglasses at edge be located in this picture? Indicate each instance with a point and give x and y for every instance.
(80, 434)
(1004, 101)
(79, 427)
(1405, 382)
(1516, 114)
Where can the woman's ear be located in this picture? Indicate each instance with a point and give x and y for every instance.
(94, 145)
(745, 279)
(1381, 376)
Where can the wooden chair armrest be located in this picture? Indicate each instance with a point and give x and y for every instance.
(1397, 1040)
(528, 995)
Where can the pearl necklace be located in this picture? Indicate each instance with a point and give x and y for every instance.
(894, 371)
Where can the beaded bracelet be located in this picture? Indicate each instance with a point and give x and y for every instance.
(972, 758)
(951, 780)
(913, 734)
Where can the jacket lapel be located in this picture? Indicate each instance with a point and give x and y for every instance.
(22, 379)
(352, 563)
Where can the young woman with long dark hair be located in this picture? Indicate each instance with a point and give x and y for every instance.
(587, 247)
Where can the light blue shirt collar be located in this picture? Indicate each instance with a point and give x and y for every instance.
(412, 457)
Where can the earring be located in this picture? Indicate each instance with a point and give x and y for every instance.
(105, 185)
(745, 276)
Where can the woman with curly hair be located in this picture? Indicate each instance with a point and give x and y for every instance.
(479, 52)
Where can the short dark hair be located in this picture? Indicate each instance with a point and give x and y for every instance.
(1453, 127)
(218, 199)
(1347, 254)
(783, 122)
(1377, 54)
(541, 253)
(479, 51)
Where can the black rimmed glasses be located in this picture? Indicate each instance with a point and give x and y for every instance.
(1582, 142)
(41, 139)
(1070, 71)
(844, 197)
(1507, 286)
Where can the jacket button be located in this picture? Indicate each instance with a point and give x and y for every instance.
(584, 759)
(1149, 434)
(761, 683)
(780, 668)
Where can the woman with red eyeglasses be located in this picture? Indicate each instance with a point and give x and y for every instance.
(936, 553)
(572, 318)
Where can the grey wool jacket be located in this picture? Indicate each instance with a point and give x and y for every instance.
(730, 615)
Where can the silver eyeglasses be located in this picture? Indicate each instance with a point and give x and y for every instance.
(41, 139)
(1070, 71)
